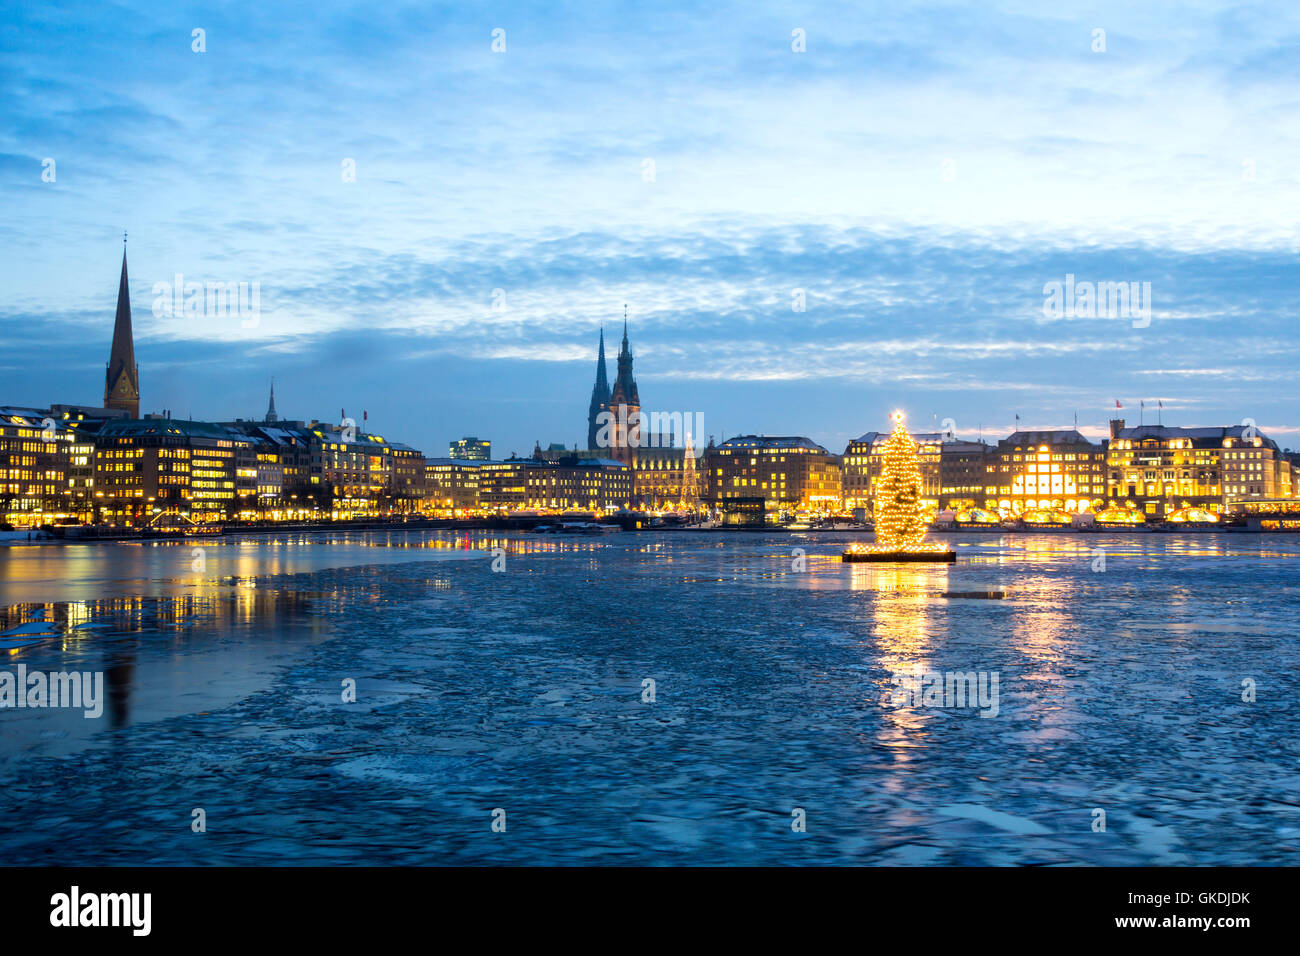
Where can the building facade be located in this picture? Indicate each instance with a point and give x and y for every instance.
(46, 469)
(451, 485)
(470, 449)
(1159, 469)
(790, 474)
(963, 471)
(145, 468)
(1055, 469)
(597, 485)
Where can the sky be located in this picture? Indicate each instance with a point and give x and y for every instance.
(815, 214)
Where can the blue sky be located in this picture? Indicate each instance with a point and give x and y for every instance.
(921, 171)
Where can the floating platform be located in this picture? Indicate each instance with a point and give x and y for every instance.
(911, 557)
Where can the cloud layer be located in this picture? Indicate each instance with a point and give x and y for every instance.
(917, 174)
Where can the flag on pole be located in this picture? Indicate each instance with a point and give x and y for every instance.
(1117, 404)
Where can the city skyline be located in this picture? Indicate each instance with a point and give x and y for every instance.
(603, 435)
(922, 247)
(1147, 411)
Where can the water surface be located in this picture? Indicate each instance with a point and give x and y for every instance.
(773, 670)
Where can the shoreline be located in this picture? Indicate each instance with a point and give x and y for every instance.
(527, 526)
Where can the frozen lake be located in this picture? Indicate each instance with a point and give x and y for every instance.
(1121, 664)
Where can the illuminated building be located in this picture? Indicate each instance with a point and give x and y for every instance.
(788, 473)
(470, 449)
(330, 470)
(246, 477)
(659, 477)
(1056, 470)
(577, 484)
(42, 469)
(408, 478)
(153, 466)
(569, 484)
(287, 486)
(356, 469)
(963, 471)
(502, 485)
(451, 484)
(1160, 469)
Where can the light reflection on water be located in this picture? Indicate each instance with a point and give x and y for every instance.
(82, 572)
(1118, 689)
(159, 656)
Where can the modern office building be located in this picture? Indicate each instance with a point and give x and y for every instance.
(503, 485)
(45, 471)
(470, 449)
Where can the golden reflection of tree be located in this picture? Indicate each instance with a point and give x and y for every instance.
(901, 633)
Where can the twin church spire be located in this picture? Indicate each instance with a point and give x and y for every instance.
(623, 402)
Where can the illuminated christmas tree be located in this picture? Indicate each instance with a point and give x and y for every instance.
(899, 515)
(900, 523)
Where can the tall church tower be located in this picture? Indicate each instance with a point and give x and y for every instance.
(599, 395)
(122, 379)
(271, 416)
(625, 405)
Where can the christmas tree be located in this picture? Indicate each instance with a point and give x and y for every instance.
(900, 521)
(899, 515)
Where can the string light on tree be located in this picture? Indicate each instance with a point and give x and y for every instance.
(899, 514)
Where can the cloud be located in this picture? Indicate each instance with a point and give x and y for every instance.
(775, 171)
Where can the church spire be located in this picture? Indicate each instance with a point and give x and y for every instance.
(624, 391)
(122, 378)
(602, 381)
(599, 394)
(271, 416)
(625, 405)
